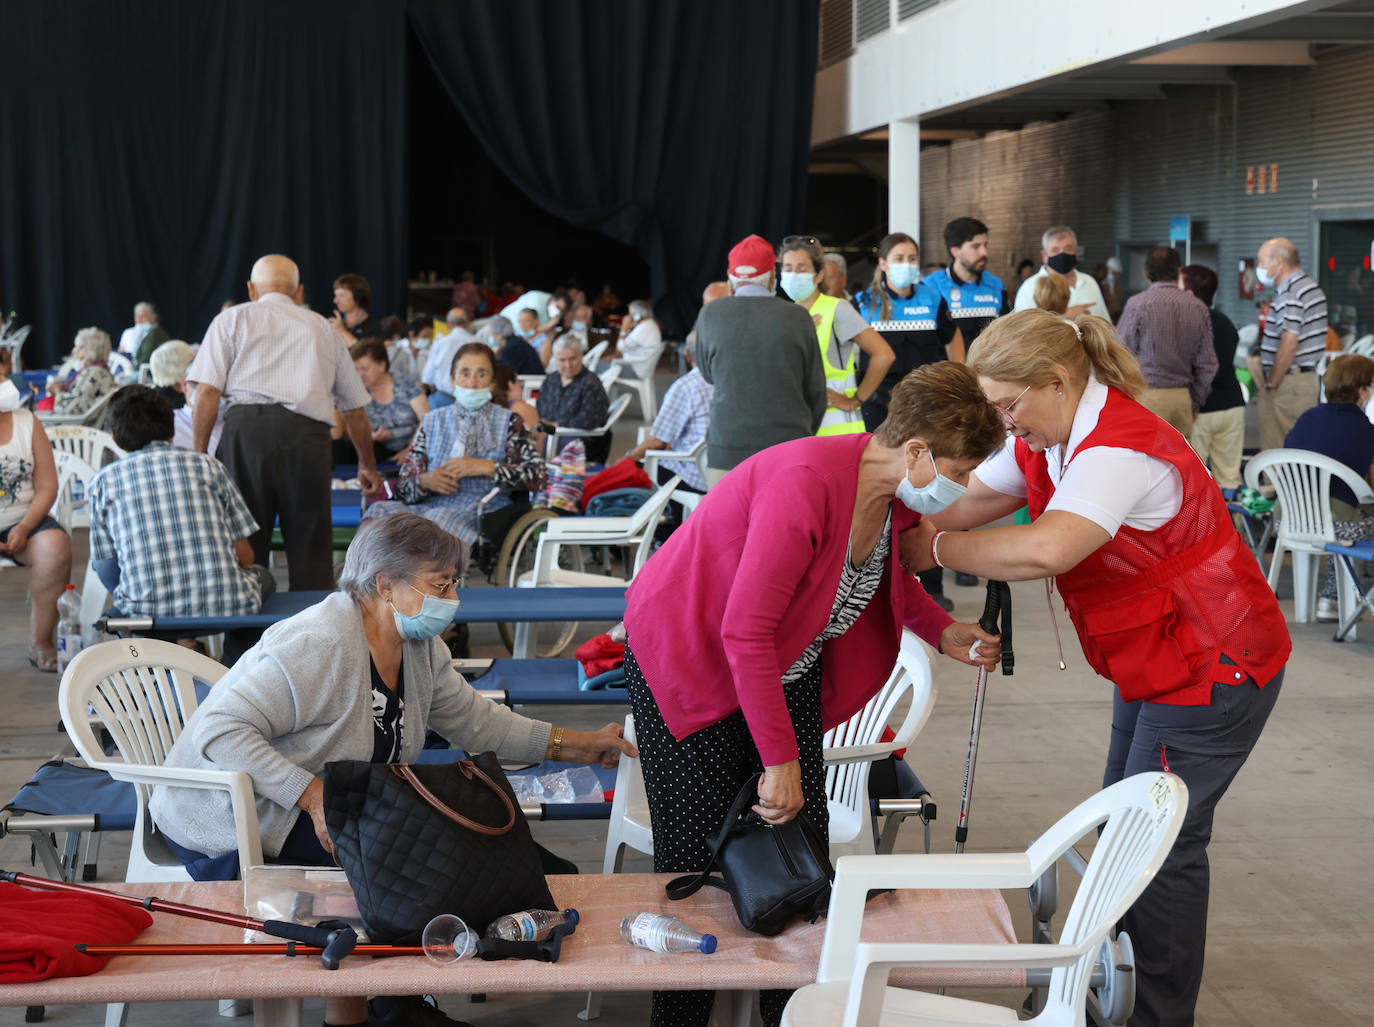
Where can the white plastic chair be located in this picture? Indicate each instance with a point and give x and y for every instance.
(636, 530)
(143, 690)
(1302, 486)
(617, 408)
(92, 417)
(14, 342)
(593, 356)
(1142, 817)
(642, 384)
(94, 447)
(609, 377)
(120, 365)
(697, 454)
(1364, 346)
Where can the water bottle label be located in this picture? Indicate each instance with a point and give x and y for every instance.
(525, 924)
(642, 931)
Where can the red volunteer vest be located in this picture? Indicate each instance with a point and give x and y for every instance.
(1156, 610)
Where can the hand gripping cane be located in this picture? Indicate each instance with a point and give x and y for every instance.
(996, 612)
(333, 942)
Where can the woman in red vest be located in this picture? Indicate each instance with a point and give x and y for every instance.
(1168, 603)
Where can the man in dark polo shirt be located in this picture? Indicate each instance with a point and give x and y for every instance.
(760, 354)
(1293, 341)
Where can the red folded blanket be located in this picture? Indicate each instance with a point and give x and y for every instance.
(599, 654)
(39, 931)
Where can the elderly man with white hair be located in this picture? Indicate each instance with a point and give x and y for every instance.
(640, 334)
(283, 372)
(1059, 255)
(144, 335)
(168, 365)
(760, 353)
(438, 372)
(836, 276)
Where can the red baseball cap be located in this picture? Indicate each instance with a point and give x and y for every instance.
(750, 257)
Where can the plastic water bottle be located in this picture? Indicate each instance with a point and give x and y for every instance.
(68, 627)
(659, 932)
(530, 925)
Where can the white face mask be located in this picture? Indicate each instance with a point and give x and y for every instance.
(9, 396)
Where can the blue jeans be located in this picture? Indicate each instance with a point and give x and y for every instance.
(1206, 746)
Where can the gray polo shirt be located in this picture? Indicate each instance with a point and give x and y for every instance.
(1298, 306)
(762, 356)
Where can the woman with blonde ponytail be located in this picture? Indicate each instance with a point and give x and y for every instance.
(1168, 604)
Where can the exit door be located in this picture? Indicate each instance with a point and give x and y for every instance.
(1346, 276)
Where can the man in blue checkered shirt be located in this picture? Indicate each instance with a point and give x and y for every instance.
(681, 423)
(173, 519)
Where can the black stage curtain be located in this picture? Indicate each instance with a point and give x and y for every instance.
(676, 126)
(153, 150)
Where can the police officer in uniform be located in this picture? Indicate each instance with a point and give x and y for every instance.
(915, 321)
(973, 294)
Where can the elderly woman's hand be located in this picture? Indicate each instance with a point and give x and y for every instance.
(957, 639)
(780, 793)
(604, 746)
(312, 801)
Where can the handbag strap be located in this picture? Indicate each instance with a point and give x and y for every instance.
(403, 770)
(690, 884)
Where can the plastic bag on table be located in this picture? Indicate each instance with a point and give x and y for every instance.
(301, 895)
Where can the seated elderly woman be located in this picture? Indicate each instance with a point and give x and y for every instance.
(168, 365)
(394, 411)
(28, 535)
(511, 348)
(361, 675)
(1340, 429)
(573, 397)
(463, 450)
(92, 381)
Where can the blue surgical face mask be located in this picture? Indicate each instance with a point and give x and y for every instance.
(435, 615)
(798, 284)
(899, 276)
(579, 326)
(1265, 277)
(472, 399)
(932, 497)
(527, 333)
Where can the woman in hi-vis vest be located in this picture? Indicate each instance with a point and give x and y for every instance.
(1168, 603)
(841, 334)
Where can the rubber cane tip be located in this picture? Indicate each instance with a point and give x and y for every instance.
(708, 943)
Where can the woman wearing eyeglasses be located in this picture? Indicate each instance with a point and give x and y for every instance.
(1168, 604)
(361, 675)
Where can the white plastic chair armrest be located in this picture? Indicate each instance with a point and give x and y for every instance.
(576, 527)
(859, 753)
(1000, 870)
(578, 433)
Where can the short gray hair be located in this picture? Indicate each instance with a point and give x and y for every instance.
(144, 307)
(95, 342)
(763, 281)
(169, 362)
(640, 309)
(397, 547)
(1054, 232)
(838, 260)
(567, 341)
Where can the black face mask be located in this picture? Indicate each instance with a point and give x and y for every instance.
(1062, 263)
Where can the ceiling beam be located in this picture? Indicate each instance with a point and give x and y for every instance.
(1285, 52)
(1317, 27)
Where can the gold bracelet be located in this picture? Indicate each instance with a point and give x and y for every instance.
(556, 749)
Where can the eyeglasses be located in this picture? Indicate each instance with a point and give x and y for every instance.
(1005, 411)
(444, 591)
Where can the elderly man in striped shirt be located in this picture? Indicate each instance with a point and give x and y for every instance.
(1293, 341)
(283, 371)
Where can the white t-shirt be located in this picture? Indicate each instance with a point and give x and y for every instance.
(643, 339)
(1084, 290)
(1108, 485)
(16, 470)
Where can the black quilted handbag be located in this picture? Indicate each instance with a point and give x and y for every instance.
(772, 873)
(419, 840)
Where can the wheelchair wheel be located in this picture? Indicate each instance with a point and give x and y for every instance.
(516, 560)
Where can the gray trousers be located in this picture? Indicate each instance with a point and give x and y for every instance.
(1206, 746)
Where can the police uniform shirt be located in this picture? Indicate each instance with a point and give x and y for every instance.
(972, 305)
(918, 328)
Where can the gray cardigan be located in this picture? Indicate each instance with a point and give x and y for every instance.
(301, 698)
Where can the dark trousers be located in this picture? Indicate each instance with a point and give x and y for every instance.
(280, 461)
(691, 784)
(1206, 746)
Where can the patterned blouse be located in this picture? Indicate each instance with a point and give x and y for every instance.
(398, 417)
(523, 467)
(858, 586)
(92, 383)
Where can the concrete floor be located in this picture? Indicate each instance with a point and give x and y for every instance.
(1292, 919)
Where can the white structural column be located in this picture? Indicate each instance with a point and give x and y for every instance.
(904, 177)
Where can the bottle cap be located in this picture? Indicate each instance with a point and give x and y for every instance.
(573, 916)
(708, 943)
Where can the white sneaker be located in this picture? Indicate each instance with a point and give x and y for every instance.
(1327, 611)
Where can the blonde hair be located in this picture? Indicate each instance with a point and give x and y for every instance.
(1052, 293)
(885, 246)
(1035, 347)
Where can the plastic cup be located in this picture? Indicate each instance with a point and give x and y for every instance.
(446, 939)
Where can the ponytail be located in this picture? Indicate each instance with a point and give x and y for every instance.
(1031, 346)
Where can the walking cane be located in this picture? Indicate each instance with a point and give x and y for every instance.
(332, 943)
(996, 608)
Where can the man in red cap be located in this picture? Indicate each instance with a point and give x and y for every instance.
(759, 352)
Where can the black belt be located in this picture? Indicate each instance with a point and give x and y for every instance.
(1300, 370)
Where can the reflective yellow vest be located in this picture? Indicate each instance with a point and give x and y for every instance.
(843, 380)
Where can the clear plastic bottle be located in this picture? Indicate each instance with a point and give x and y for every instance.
(530, 924)
(659, 932)
(68, 627)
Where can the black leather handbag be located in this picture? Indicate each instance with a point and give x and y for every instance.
(772, 873)
(419, 840)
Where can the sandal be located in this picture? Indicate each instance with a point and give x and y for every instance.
(44, 659)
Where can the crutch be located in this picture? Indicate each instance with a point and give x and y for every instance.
(996, 611)
(332, 942)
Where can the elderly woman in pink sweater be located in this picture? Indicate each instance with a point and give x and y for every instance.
(775, 612)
